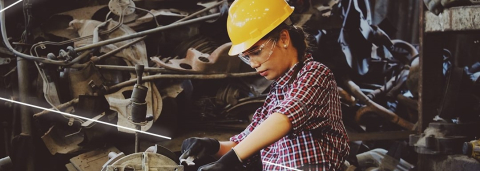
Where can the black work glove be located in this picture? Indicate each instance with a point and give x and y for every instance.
(229, 161)
(199, 147)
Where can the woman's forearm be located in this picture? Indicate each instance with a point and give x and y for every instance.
(275, 127)
(225, 146)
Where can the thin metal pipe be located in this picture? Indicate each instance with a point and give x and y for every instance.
(172, 76)
(114, 51)
(199, 12)
(143, 33)
(59, 107)
(132, 69)
(371, 106)
(7, 43)
(137, 139)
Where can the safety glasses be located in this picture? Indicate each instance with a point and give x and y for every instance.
(255, 53)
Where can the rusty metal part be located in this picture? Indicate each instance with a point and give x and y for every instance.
(346, 97)
(175, 76)
(410, 103)
(371, 106)
(217, 62)
(392, 87)
(143, 33)
(60, 107)
(92, 160)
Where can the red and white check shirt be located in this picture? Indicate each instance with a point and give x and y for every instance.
(312, 104)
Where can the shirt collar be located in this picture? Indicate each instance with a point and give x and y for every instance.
(283, 80)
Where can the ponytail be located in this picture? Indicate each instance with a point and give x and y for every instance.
(297, 36)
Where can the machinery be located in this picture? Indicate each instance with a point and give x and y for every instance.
(158, 66)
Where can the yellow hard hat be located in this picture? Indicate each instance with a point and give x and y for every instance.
(249, 20)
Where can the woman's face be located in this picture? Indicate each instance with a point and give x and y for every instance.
(270, 58)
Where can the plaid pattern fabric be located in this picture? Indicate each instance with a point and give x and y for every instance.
(318, 140)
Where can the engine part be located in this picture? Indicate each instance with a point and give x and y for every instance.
(144, 161)
(472, 149)
(377, 159)
(195, 61)
(143, 33)
(444, 138)
(93, 160)
(122, 104)
(139, 108)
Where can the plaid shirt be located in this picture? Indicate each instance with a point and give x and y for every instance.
(312, 104)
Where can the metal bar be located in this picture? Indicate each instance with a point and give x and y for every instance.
(137, 139)
(23, 89)
(59, 107)
(114, 51)
(172, 76)
(131, 68)
(199, 12)
(25, 115)
(374, 136)
(143, 33)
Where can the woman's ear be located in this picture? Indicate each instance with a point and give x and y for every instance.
(284, 38)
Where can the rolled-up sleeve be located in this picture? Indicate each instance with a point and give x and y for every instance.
(255, 120)
(308, 91)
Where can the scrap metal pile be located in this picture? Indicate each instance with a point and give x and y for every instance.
(160, 65)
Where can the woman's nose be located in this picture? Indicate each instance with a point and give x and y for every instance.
(254, 64)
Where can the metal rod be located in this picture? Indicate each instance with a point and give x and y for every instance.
(23, 89)
(114, 51)
(131, 69)
(371, 106)
(199, 12)
(143, 33)
(59, 107)
(172, 76)
(137, 139)
(25, 115)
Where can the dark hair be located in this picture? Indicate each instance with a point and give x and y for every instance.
(297, 36)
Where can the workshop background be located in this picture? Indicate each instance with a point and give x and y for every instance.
(407, 72)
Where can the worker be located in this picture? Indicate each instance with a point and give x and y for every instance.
(300, 124)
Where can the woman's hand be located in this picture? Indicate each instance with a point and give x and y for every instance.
(229, 161)
(199, 148)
